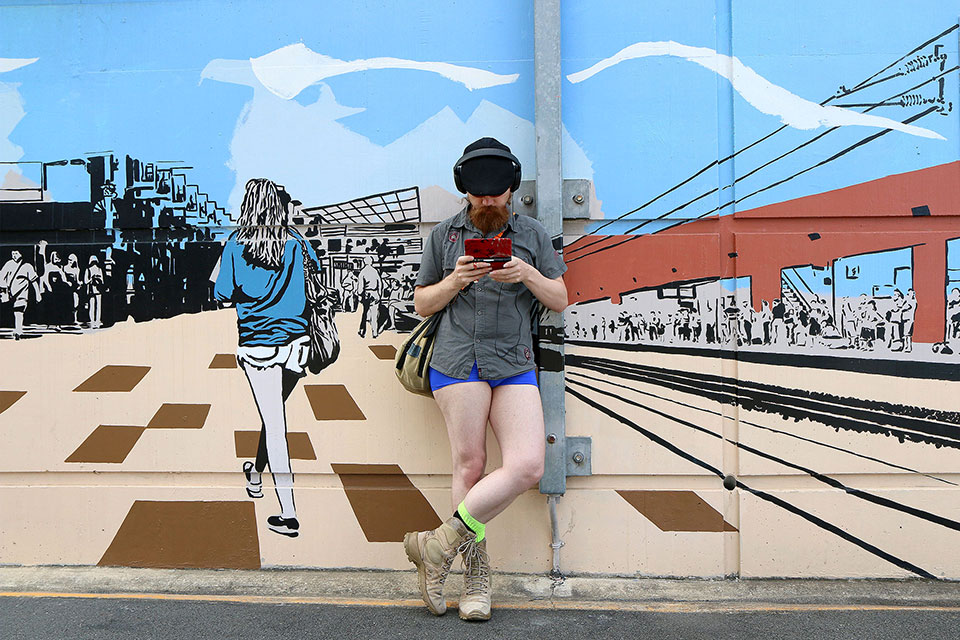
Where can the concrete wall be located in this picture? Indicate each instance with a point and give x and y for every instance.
(766, 288)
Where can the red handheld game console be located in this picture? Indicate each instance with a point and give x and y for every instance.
(494, 251)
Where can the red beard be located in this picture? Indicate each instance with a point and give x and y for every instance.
(489, 218)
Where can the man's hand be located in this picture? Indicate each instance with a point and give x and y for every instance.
(552, 293)
(516, 270)
(468, 271)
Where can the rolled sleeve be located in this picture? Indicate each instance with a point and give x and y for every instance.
(431, 269)
(549, 262)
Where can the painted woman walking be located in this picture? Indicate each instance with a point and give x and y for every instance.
(261, 272)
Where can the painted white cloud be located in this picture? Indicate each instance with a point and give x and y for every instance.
(762, 94)
(291, 69)
(9, 64)
(321, 161)
(11, 112)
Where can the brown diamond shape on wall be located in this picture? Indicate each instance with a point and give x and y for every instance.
(107, 443)
(676, 510)
(186, 535)
(384, 351)
(385, 502)
(114, 378)
(245, 443)
(223, 361)
(332, 402)
(7, 398)
(179, 416)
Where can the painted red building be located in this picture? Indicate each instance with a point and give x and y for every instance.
(919, 209)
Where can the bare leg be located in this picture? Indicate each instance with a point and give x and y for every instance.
(517, 420)
(289, 383)
(267, 387)
(465, 407)
(516, 417)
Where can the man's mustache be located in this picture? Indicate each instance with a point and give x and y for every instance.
(491, 209)
(489, 217)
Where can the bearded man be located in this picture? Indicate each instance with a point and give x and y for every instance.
(482, 367)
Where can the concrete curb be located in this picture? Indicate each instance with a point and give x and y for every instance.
(534, 591)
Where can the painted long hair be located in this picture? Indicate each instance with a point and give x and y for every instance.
(263, 224)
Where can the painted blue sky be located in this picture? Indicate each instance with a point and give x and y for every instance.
(659, 122)
(126, 77)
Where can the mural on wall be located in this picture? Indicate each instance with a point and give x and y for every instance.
(232, 150)
(771, 298)
(813, 251)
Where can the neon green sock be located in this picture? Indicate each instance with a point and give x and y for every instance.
(472, 523)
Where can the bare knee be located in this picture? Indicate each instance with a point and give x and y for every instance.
(527, 472)
(535, 472)
(469, 466)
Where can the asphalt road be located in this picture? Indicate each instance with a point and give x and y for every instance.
(64, 618)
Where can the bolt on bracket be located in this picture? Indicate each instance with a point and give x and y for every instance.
(578, 455)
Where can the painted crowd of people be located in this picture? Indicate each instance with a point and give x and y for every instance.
(61, 293)
(382, 298)
(953, 318)
(865, 323)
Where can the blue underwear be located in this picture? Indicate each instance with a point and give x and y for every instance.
(439, 380)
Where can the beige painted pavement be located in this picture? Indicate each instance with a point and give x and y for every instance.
(58, 512)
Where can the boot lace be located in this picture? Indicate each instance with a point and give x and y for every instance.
(476, 568)
(440, 573)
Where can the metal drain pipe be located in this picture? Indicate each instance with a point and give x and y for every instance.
(555, 572)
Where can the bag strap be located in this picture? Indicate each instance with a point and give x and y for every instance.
(431, 337)
(303, 248)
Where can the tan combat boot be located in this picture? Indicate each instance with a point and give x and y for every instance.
(433, 553)
(475, 599)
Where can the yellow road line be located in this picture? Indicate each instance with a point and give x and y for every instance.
(560, 605)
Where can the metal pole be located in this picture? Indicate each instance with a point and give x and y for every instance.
(549, 201)
(549, 192)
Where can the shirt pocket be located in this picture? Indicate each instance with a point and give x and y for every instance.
(522, 252)
(451, 253)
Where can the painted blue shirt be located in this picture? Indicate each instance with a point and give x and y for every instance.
(271, 305)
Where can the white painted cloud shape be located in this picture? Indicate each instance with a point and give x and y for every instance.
(11, 112)
(291, 69)
(320, 160)
(762, 94)
(9, 64)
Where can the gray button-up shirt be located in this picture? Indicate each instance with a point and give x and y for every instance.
(490, 322)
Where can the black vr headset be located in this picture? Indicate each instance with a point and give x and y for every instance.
(486, 168)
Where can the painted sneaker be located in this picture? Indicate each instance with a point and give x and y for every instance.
(433, 553)
(284, 526)
(475, 598)
(254, 480)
